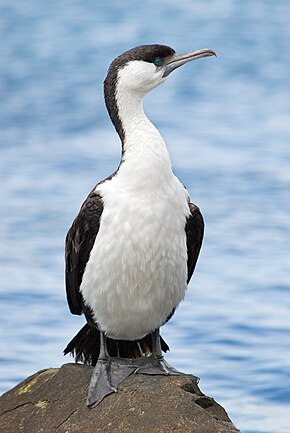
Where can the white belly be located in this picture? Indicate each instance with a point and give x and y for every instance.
(137, 271)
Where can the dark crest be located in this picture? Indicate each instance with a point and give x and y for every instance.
(147, 53)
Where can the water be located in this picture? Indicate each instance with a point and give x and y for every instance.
(226, 122)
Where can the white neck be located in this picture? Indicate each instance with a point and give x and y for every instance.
(145, 152)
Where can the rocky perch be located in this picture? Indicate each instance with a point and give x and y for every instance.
(54, 400)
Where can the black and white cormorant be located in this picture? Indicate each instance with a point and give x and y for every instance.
(133, 247)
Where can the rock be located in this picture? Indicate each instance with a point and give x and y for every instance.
(54, 400)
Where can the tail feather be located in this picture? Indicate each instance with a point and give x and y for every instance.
(85, 346)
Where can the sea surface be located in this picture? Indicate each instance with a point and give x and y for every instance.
(226, 121)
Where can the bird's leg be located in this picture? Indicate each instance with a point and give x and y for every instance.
(156, 346)
(164, 367)
(108, 373)
(100, 384)
(156, 364)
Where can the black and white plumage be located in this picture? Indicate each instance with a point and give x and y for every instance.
(134, 245)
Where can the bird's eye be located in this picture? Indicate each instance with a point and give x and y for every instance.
(158, 62)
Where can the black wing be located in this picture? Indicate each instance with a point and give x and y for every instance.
(79, 242)
(194, 234)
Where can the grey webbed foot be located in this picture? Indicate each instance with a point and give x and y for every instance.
(100, 384)
(109, 372)
(157, 366)
(121, 368)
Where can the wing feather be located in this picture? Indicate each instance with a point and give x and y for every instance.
(79, 243)
(194, 235)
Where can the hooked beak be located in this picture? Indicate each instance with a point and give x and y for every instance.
(180, 59)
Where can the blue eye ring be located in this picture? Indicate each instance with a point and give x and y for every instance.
(158, 62)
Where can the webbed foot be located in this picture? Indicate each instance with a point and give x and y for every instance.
(156, 366)
(100, 384)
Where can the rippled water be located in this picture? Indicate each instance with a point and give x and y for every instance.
(226, 122)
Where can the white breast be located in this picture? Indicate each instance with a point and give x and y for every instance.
(137, 270)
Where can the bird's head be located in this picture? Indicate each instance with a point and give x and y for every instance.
(137, 71)
(143, 68)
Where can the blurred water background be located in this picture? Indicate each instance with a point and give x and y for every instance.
(226, 122)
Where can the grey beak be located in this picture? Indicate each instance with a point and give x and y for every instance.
(180, 59)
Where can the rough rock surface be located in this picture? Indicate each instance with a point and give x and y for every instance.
(54, 400)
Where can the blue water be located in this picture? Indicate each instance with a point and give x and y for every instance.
(227, 125)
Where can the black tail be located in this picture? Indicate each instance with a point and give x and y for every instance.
(85, 346)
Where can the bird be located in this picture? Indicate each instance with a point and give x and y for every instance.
(134, 245)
